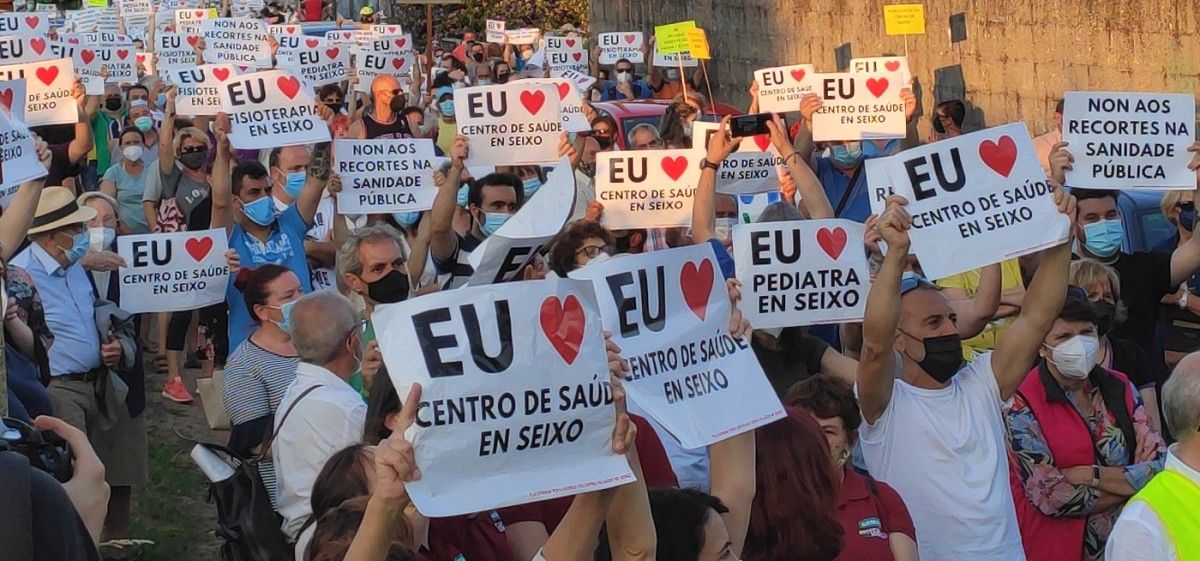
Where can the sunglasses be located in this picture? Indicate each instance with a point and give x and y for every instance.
(601, 132)
(1185, 205)
(393, 92)
(192, 149)
(591, 251)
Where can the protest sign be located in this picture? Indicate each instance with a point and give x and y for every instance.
(503, 256)
(187, 21)
(672, 38)
(300, 42)
(858, 107)
(19, 49)
(523, 36)
(879, 184)
(145, 63)
(24, 23)
(582, 81)
(269, 109)
(897, 66)
(20, 162)
(237, 41)
(102, 38)
(12, 99)
(976, 200)
(382, 176)
(621, 45)
(647, 188)
(567, 61)
(81, 21)
(386, 30)
(174, 50)
(1129, 140)
(801, 272)
(173, 272)
(245, 8)
(358, 37)
(904, 19)
(751, 206)
(673, 60)
(493, 429)
(370, 64)
(495, 31)
(321, 66)
(48, 91)
(510, 124)
(669, 313)
(781, 88)
(109, 21)
(291, 30)
(570, 104)
(397, 44)
(754, 168)
(556, 43)
(90, 63)
(698, 44)
(200, 88)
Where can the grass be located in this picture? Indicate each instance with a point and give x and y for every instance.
(165, 512)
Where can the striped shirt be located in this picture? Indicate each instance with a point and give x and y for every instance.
(255, 381)
(458, 266)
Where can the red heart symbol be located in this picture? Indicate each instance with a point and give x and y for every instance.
(47, 74)
(577, 56)
(697, 283)
(563, 323)
(199, 14)
(6, 99)
(141, 58)
(1000, 156)
(398, 63)
(73, 41)
(401, 42)
(312, 43)
(892, 65)
(122, 53)
(832, 241)
(877, 85)
(37, 44)
(630, 38)
(87, 56)
(763, 141)
(563, 89)
(332, 53)
(32, 21)
(193, 39)
(533, 101)
(291, 29)
(198, 248)
(221, 73)
(288, 85)
(674, 167)
(798, 74)
(570, 43)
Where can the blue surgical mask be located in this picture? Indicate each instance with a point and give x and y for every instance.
(870, 149)
(1187, 219)
(532, 185)
(261, 212)
(463, 193)
(286, 311)
(492, 221)
(1103, 238)
(100, 238)
(446, 108)
(161, 101)
(143, 123)
(406, 219)
(847, 155)
(294, 183)
(79, 246)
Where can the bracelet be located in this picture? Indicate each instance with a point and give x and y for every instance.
(1095, 476)
(705, 164)
(795, 153)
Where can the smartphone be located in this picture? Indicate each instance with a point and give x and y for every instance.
(749, 125)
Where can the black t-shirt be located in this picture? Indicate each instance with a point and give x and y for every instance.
(1131, 360)
(798, 358)
(37, 520)
(61, 166)
(1145, 279)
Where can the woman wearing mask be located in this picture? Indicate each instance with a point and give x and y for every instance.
(335, 99)
(876, 525)
(676, 124)
(482, 73)
(501, 72)
(1180, 312)
(447, 128)
(142, 119)
(260, 370)
(1081, 443)
(604, 130)
(126, 181)
(581, 243)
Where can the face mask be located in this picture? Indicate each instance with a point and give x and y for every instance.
(100, 238)
(526, 55)
(502, 78)
(113, 104)
(624, 76)
(872, 150)
(143, 123)
(334, 106)
(724, 228)
(406, 219)
(461, 199)
(446, 108)
(772, 331)
(161, 101)
(598, 259)
(193, 160)
(389, 289)
(261, 212)
(847, 155)
(687, 130)
(587, 169)
(492, 221)
(671, 74)
(1187, 219)
(1076, 356)
(532, 185)
(1103, 238)
(1108, 316)
(484, 82)
(79, 245)
(605, 142)
(285, 311)
(478, 57)
(294, 183)
(943, 356)
(132, 153)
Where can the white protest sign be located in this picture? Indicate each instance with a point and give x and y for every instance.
(647, 188)
(269, 109)
(174, 50)
(104, 38)
(509, 124)
(187, 21)
(495, 31)
(20, 162)
(801, 272)
(673, 60)
(12, 99)
(48, 87)
(19, 49)
(388, 30)
(200, 88)
(1129, 140)
(90, 63)
(502, 256)
(669, 313)
(555, 43)
(300, 42)
(492, 428)
(145, 63)
(581, 80)
(895, 65)
(567, 61)
(570, 104)
(399, 44)
(781, 88)
(24, 23)
(109, 21)
(81, 21)
(382, 176)
(977, 199)
(290, 30)
(621, 45)
(858, 107)
(238, 41)
(754, 168)
(370, 64)
(173, 272)
(523, 36)
(321, 66)
(349, 36)
(879, 184)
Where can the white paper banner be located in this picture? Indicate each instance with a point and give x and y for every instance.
(200, 88)
(48, 87)
(781, 88)
(563, 61)
(270, 109)
(523, 36)
(897, 66)
(321, 66)
(174, 50)
(754, 168)
(238, 41)
(173, 272)
(495, 31)
(18, 49)
(858, 107)
(24, 23)
(12, 99)
(90, 62)
(570, 104)
(647, 188)
(672, 60)
(621, 45)
(510, 124)
(383, 176)
(20, 162)
(369, 65)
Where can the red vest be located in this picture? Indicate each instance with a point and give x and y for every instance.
(1046, 537)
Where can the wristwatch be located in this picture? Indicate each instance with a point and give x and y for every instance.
(1095, 477)
(705, 164)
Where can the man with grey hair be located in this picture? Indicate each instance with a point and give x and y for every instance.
(372, 262)
(1162, 521)
(644, 137)
(320, 413)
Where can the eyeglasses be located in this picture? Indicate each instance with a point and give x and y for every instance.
(192, 149)
(601, 132)
(623, 71)
(591, 251)
(649, 145)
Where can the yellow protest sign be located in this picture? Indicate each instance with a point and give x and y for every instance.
(698, 43)
(97, 3)
(904, 19)
(672, 38)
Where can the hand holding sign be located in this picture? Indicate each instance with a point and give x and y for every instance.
(395, 460)
(895, 222)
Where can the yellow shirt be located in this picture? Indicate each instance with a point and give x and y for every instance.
(968, 282)
(446, 132)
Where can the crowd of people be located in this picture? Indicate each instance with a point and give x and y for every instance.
(1041, 408)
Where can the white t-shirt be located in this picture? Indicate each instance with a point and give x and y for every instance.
(323, 278)
(944, 452)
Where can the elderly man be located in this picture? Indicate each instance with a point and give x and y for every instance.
(1162, 521)
(644, 137)
(382, 119)
(326, 336)
(372, 264)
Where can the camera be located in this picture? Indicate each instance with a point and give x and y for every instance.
(44, 449)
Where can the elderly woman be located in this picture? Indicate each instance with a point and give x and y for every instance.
(580, 243)
(1081, 442)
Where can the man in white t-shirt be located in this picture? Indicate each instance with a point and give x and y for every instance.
(933, 428)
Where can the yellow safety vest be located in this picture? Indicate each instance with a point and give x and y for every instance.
(1176, 501)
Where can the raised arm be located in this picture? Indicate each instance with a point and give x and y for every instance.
(166, 134)
(319, 169)
(877, 361)
(813, 200)
(704, 217)
(1186, 258)
(975, 313)
(220, 176)
(83, 141)
(731, 467)
(803, 142)
(443, 242)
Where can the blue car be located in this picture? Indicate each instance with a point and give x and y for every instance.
(1146, 229)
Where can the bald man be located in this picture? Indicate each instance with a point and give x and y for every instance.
(383, 119)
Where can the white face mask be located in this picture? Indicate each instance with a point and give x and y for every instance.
(1076, 356)
(598, 259)
(724, 228)
(100, 238)
(132, 153)
(772, 331)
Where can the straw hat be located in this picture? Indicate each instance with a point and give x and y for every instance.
(57, 208)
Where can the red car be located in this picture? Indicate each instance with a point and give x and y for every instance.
(631, 113)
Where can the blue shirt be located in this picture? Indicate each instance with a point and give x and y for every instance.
(69, 305)
(639, 87)
(857, 206)
(284, 246)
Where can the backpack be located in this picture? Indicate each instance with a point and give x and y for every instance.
(246, 520)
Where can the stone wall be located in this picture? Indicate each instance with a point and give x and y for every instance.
(1018, 57)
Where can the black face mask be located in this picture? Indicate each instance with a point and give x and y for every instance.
(334, 106)
(605, 142)
(112, 104)
(478, 57)
(389, 289)
(943, 356)
(396, 104)
(1108, 317)
(193, 160)
(502, 78)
